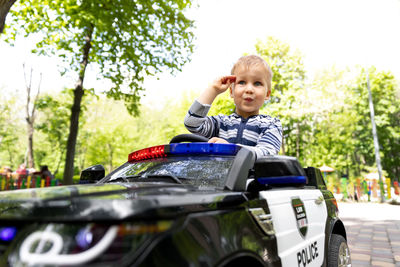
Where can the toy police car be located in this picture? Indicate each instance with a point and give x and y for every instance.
(180, 204)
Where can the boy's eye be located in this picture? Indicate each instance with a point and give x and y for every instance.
(241, 82)
(258, 84)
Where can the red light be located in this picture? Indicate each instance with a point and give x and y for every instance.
(147, 153)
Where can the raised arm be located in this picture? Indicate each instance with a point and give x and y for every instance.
(196, 120)
(217, 87)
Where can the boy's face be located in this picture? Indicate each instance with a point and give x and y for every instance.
(250, 90)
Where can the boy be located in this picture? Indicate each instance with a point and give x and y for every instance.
(249, 85)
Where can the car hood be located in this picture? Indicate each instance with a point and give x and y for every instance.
(116, 201)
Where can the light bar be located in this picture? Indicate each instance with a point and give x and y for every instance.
(297, 180)
(203, 149)
(147, 153)
(183, 149)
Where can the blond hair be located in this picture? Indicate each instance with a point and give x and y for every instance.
(252, 60)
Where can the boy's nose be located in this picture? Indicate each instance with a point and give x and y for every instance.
(249, 88)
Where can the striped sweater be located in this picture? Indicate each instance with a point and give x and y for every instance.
(260, 133)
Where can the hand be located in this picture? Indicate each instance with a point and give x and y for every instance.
(221, 84)
(218, 140)
(217, 87)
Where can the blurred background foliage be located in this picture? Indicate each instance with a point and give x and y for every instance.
(326, 120)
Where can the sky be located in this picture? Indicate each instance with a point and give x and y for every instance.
(344, 33)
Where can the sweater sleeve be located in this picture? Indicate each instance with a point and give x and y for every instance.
(197, 122)
(270, 142)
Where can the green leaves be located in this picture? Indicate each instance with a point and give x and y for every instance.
(327, 120)
(126, 39)
(131, 39)
(386, 106)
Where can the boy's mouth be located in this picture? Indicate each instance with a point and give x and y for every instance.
(248, 99)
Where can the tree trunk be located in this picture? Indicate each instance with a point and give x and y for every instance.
(75, 112)
(31, 162)
(5, 6)
(30, 115)
(59, 162)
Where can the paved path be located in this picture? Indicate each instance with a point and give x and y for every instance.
(373, 233)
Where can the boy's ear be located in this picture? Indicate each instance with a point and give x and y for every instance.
(231, 90)
(268, 95)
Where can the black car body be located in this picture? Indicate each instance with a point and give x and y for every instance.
(187, 204)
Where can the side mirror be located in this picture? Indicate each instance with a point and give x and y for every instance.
(279, 171)
(315, 178)
(92, 174)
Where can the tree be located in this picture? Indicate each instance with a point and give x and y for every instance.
(53, 123)
(288, 81)
(330, 118)
(384, 89)
(127, 40)
(30, 114)
(5, 6)
(110, 142)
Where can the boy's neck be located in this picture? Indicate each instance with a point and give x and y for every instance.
(245, 115)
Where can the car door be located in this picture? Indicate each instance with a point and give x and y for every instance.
(299, 217)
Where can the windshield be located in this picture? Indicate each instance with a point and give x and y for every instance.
(199, 171)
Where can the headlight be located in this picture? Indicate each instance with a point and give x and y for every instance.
(79, 244)
(7, 233)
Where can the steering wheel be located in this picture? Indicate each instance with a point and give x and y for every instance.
(188, 138)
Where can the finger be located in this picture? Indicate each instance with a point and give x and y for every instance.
(228, 79)
(213, 140)
(232, 78)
